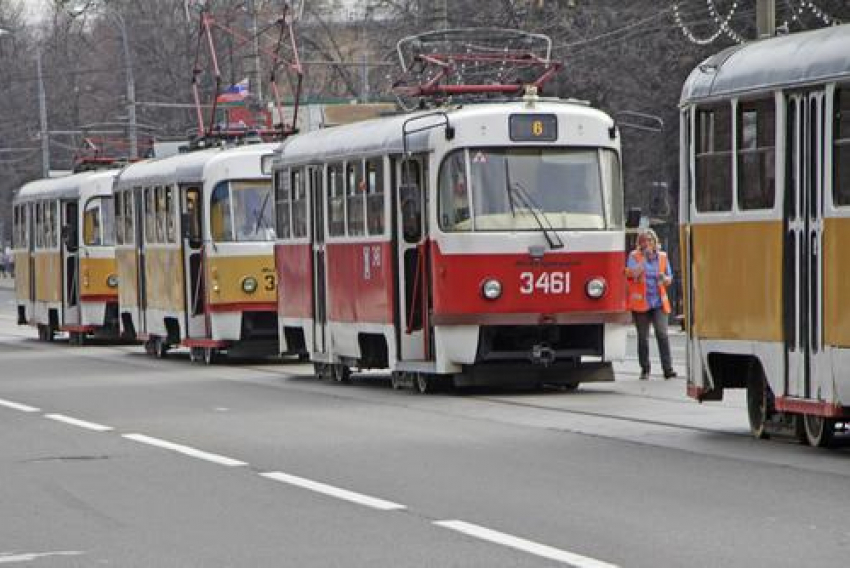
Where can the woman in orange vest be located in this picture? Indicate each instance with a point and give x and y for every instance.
(648, 276)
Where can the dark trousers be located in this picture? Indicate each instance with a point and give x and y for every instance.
(658, 319)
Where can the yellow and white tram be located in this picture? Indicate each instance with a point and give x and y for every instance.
(765, 217)
(64, 250)
(195, 253)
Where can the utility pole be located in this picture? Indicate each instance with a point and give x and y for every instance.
(255, 74)
(42, 109)
(766, 18)
(132, 132)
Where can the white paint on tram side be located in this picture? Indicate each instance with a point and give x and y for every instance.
(185, 450)
(80, 423)
(332, 491)
(18, 406)
(528, 546)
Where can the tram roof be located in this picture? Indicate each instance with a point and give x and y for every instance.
(789, 61)
(65, 187)
(180, 168)
(384, 135)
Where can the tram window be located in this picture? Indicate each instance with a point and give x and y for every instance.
(614, 190)
(282, 198)
(52, 228)
(129, 219)
(336, 200)
(375, 196)
(299, 204)
(253, 210)
(161, 215)
(170, 228)
(193, 213)
(220, 219)
(411, 202)
(355, 189)
(454, 196)
(713, 191)
(841, 149)
(39, 226)
(119, 218)
(92, 231)
(756, 154)
(150, 215)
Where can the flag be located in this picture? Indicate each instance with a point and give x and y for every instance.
(235, 93)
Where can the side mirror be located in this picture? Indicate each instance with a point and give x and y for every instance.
(633, 218)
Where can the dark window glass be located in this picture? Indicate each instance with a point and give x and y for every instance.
(756, 155)
(713, 191)
(336, 200)
(375, 196)
(355, 187)
(299, 204)
(841, 150)
(221, 222)
(282, 199)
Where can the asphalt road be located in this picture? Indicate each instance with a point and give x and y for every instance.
(108, 457)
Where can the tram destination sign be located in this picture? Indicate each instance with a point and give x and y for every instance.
(533, 127)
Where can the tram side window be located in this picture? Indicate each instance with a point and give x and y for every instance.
(170, 222)
(375, 196)
(52, 230)
(129, 219)
(150, 215)
(355, 188)
(756, 154)
(282, 199)
(221, 225)
(38, 221)
(713, 191)
(454, 195)
(336, 200)
(119, 218)
(841, 150)
(299, 204)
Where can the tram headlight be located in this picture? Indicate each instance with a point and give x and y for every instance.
(491, 289)
(596, 287)
(112, 281)
(249, 284)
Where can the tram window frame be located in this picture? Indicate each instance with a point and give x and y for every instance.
(129, 217)
(149, 205)
(756, 154)
(283, 204)
(160, 214)
(170, 213)
(119, 217)
(450, 180)
(52, 228)
(714, 193)
(299, 203)
(841, 147)
(375, 196)
(194, 222)
(355, 199)
(93, 223)
(335, 188)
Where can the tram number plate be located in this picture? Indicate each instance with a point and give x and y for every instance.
(544, 283)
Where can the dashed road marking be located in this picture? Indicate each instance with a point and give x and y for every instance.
(332, 491)
(537, 549)
(77, 422)
(185, 450)
(18, 406)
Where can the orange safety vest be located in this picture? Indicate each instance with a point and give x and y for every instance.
(637, 301)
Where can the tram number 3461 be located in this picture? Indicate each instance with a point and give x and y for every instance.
(544, 283)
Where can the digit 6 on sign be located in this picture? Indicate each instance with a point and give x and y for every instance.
(546, 283)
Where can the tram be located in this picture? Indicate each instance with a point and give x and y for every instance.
(472, 245)
(66, 278)
(765, 217)
(194, 242)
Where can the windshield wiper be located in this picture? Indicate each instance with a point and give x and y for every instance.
(262, 213)
(552, 237)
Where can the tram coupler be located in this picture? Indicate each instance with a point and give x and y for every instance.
(543, 355)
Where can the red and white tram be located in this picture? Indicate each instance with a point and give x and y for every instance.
(479, 244)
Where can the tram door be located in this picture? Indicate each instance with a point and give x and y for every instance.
(140, 212)
(803, 270)
(191, 206)
(320, 294)
(412, 275)
(70, 263)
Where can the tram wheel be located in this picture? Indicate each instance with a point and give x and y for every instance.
(160, 348)
(396, 380)
(320, 370)
(196, 354)
(424, 383)
(341, 373)
(758, 405)
(819, 431)
(150, 347)
(210, 355)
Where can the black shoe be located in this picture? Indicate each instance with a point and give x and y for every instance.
(644, 376)
(670, 374)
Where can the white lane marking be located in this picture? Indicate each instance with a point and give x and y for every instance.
(542, 550)
(78, 422)
(9, 557)
(186, 450)
(332, 491)
(18, 406)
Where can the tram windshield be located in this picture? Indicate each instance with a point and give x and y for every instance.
(520, 189)
(242, 211)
